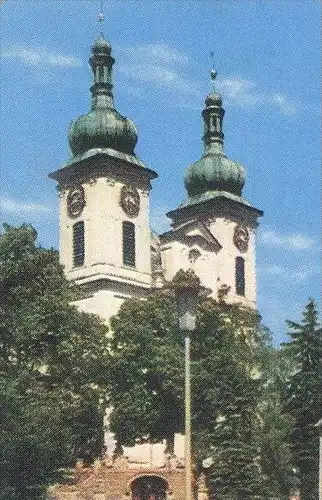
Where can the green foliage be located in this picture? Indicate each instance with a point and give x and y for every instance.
(146, 371)
(275, 424)
(185, 280)
(304, 396)
(34, 444)
(52, 364)
(147, 379)
(226, 388)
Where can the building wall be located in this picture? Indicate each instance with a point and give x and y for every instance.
(104, 303)
(176, 255)
(214, 266)
(103, 217)
(107, 282)
(223, 230)
(114, 482)
(208, 248)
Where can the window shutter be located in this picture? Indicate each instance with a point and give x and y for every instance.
(128, 244)
(240, 276)
(78, 244)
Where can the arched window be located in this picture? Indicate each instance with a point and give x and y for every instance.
(128, 244)
(213, 123)
(78, 243)
(101, 74)
(240, 276)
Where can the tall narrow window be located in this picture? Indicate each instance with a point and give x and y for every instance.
(128, 244)
(240, 276)
(78, 244)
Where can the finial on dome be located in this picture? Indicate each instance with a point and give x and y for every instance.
(213, 115)
(213, 72)
(213, 75)
(101, 44)
(101, 18)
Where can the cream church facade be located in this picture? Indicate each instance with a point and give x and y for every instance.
(106, 244)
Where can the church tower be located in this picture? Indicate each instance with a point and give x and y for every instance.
(213, 230)
(107, 248)
(104, 200)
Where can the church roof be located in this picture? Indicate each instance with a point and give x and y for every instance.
(195, 232)
(103, 126)
(213, 172)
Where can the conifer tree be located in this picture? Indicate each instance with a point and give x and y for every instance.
(227, 337)
(275, 423)
(304, 396)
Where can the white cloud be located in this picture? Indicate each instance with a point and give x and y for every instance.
(40, 57)
(156, 53)
(285, 106)
(294, 241)
(160, 76)
(238, 90)
(271, 270)
(164, 67)
(296, 275)
(160, 65)
(160, 223)
(21, 208)
(243, 92)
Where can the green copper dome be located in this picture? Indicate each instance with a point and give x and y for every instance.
(103, 126)
(214, 171)
(101, 43)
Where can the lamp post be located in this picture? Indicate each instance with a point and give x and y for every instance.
(319, 426)
(187, 299)
(187, 289)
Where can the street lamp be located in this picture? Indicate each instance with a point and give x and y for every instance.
(187, 299)
(319, 426)
(187, 290)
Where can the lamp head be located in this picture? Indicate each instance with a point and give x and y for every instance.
(187, 300)
(187, 290)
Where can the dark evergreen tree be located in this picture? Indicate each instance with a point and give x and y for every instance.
(304, 396)
(274, 431)
(226, 399)
(52, 365)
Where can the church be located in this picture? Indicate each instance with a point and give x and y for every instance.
(108, 248)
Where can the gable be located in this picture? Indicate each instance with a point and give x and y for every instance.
(193, 233)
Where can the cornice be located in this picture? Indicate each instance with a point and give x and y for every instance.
(102, 162)
(219, 205)
(123, 288)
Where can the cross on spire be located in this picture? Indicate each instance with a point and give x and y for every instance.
(101, 16)
(212, 57)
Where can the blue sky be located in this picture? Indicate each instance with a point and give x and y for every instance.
(267, 54)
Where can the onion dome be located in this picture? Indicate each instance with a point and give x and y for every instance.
(101, 44)
(103, 126)
(214, 171)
